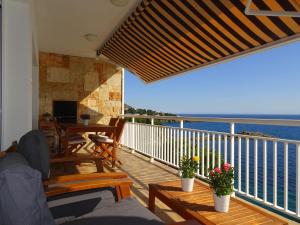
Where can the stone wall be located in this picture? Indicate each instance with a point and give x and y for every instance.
(94, 84)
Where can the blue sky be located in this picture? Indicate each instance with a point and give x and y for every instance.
(264, 83)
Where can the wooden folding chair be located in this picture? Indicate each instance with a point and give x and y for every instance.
(69, 144)
(113, 122)
(104, 144)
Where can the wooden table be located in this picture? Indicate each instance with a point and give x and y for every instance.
(71, 128)
(198, 205)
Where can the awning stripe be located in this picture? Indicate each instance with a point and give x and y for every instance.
(177, 62)
(151, 55)
(260, 25)
(276, 20)
(223, 24)
(143, 56)
(287, 6)
(186, 28)
(199, 28)
(131, 59)
(210, 26)
(157, 45)
(237, 21)
(256, 21)
(148, 47)
(163, 37)
(170, 35)
(188, 41)
(166, 37)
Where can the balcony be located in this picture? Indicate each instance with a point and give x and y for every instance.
(61, 56)
(267, 168)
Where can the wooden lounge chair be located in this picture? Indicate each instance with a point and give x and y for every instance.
(103, 144)
(69, 144)
(98, 198)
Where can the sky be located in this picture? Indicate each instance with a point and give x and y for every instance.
(267, 82)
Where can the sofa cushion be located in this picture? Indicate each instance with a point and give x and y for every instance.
(22, 197)
(69, 206)
(125, 212)
(34, 147)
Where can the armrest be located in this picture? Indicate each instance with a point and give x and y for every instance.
(84, 177)
(122, 187)
(97, 160)
(74, 159)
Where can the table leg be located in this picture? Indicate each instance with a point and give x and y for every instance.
(114, 153)
(151, 203)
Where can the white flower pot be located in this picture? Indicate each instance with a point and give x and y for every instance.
(187, 184)
(85, 122)
(222, 203)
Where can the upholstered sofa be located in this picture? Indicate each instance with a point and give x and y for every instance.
(23, 199)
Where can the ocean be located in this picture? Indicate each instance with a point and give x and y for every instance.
(284, 132)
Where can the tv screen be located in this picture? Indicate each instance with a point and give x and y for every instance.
(65, 111)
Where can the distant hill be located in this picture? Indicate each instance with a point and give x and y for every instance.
(131, 110)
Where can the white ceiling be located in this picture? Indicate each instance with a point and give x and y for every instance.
(62, 24)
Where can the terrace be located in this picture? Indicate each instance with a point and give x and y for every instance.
(150, 154)
(69, 59)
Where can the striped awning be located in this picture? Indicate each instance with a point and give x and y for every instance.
(163, 38)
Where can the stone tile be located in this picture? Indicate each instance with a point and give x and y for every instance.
(114, 96)
(91, 81)
(81, 79)
(60, 75)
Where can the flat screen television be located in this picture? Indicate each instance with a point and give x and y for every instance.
(65, 111)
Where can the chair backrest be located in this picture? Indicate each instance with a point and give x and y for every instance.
(113, 122)
(120, 128)
(57, 128)
(34, 148)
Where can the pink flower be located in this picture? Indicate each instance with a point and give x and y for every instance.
(227, 166)
(212, 172)
(217, 170)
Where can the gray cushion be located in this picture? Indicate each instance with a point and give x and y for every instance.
(69, 206)
(22, 197)
(126, 212)
(34, 147)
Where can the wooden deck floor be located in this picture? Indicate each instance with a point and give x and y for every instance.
(142, 172)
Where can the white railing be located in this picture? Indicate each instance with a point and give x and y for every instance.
(267, 170)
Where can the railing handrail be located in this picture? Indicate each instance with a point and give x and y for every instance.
(290, 141)
(277, 122)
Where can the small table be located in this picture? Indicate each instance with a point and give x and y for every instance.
(71, 128)
(199, 205)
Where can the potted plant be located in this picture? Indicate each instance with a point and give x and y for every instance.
(47, 116)
(188, 167)
(85, 118)
(221, 181)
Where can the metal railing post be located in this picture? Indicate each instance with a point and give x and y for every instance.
(232, 139)
(232, 132)
(133, 135)
(152, 141)
(298, 180)
(181, 139)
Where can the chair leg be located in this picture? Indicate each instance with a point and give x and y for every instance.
(99, 165)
